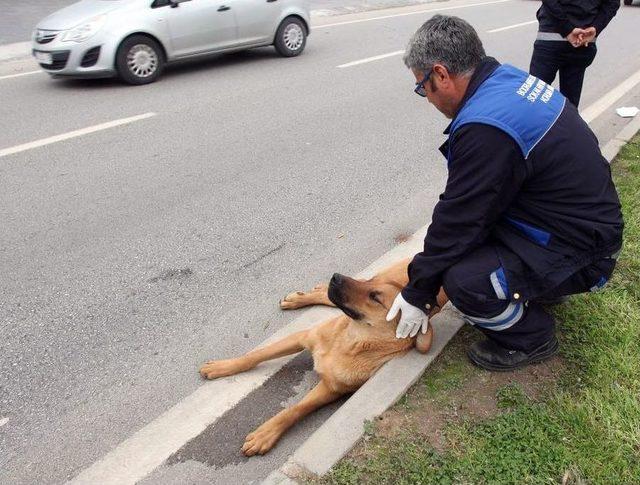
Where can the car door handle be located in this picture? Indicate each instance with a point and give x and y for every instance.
(269, 1)
(223, 8)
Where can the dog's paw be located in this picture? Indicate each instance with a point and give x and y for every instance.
(294, 300)
(220, 368)
(261, 440)
(299, 299)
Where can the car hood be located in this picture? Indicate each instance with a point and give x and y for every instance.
(75, 14)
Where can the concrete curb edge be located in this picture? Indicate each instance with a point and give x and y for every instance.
(19, 50)
(611, 149)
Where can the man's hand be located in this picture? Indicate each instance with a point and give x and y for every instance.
(589, 35)
(576, 36)
(412, 318)
(582, 37)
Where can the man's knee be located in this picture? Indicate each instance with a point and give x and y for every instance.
(474, 294)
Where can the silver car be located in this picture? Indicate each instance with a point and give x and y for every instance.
(134, 39)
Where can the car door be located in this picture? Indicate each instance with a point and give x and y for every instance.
(197, 26)
(257, 19)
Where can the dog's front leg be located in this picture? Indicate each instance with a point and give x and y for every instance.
(299, 299)
(296, 342)
(268, 434)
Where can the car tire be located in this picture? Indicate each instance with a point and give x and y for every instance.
(139, 60)
(291, 37)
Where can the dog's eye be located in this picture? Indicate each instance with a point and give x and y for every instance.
(374, 296)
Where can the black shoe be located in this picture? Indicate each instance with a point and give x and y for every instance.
(489, 355)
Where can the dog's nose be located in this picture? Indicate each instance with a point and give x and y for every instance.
(337, 279)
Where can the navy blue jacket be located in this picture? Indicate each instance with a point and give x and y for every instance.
(563, 189)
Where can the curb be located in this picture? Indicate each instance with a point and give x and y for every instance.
(614, 145)
(320, 19)
(19, 50)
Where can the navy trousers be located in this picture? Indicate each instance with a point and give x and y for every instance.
(551, 57)
(477, 286)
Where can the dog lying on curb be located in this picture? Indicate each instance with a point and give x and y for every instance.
(347, 349)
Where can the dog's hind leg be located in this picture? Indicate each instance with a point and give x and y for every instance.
(296, 342)
(299, 299)
(267, 435)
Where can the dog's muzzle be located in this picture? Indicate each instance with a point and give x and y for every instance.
(336, 295)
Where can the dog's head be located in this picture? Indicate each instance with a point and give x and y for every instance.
(367, 301)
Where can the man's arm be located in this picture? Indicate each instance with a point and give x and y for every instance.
(607, 11)
(486, 172)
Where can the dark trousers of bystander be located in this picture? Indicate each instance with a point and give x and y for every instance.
(551, 57)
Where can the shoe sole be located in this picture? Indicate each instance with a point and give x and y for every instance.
(533, 360)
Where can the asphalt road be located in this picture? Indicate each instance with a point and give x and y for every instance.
(130, 255)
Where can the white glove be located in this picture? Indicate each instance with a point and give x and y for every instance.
(411, 318)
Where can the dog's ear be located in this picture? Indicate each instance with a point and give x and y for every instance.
(398, 283)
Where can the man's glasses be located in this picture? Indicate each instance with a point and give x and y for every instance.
(420, 89)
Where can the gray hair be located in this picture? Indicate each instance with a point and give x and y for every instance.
(445, 40)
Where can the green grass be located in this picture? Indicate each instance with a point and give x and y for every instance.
(585, 429)
(510, 396)
(449, 377)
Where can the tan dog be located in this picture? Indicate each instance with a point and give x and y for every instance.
(347, 350)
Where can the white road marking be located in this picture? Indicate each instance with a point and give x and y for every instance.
(148, 448)
(3, 421)
(72, 134)
(600, 106)
(514, 26)
(408, 13)
(9, 76)
(371, 59)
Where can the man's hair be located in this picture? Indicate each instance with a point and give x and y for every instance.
(449, 41)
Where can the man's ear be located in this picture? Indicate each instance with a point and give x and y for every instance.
(441, 74)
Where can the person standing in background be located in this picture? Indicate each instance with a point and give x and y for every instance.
(567, 31)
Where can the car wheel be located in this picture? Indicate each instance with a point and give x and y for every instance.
(139, 60)
(291, 37)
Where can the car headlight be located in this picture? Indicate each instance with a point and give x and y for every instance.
(82, 32)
